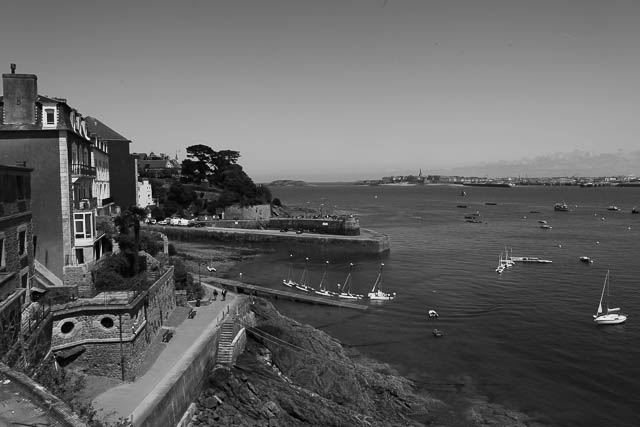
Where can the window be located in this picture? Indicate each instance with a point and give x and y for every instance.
(2, 260)
(67, 327)
(22, 242)
(107, 322)
(83, 225)
(24, 280)
(49, 117)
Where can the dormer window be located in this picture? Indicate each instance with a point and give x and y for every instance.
(49, 117)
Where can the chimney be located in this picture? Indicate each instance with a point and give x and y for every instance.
(20, 95)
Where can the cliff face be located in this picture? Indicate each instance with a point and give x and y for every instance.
(294, 375)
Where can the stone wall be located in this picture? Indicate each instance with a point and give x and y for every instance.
(172, 397)
(100, 336)
(257, 212)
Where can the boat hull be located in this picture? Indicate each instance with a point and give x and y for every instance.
(349, 296)
(610, 319)
(289, 283)
(381, 296)
(325, 293)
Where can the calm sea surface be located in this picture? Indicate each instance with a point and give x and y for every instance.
(524, 339)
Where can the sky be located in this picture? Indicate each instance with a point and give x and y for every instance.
(329, 90)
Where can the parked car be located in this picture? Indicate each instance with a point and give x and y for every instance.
(163, 222)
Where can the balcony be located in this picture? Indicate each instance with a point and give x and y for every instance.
(85, 204)
(82, 171)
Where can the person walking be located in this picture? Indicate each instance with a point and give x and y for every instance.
(224, 294)
(215, 294)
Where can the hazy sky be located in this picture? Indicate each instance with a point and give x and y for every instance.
(340, 89)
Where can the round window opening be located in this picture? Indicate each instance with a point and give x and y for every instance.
(106, 322)
(67, 327)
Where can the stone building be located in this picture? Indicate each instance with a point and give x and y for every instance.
(25, 319)
(52, 138)
(109, 333)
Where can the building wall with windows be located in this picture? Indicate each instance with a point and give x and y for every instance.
(54, 141)
(122, 164)
(16, 251)
(145, 194)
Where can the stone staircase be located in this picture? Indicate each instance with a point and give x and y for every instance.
(224, 358)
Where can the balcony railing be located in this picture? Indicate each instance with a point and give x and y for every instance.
(82, 170)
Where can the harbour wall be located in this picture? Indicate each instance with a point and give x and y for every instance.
(368, 242)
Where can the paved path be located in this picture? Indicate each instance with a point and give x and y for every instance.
(122, 400)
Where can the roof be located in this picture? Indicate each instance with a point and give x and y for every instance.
(105, 132)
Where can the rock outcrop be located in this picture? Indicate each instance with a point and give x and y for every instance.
(292, 374)
(295, 375)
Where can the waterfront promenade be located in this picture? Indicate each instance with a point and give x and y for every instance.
(133, 400)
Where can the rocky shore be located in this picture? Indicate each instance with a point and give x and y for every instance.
(292, 374)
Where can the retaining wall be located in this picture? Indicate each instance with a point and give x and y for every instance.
(367, 242)
(170, 399)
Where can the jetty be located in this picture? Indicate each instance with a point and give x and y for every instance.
(256, 290)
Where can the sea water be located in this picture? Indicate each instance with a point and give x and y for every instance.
(525, 338)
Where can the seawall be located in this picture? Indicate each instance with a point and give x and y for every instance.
(367, 242)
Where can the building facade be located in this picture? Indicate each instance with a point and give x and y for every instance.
(52, 138)
(121, 163)
(16, 251)
(145, 194)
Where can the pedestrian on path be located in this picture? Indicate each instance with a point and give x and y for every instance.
(215, 294)
(224, 294)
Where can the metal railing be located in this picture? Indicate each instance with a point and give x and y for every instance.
(82, 170)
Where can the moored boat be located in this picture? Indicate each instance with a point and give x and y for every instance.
(561, 207)
(377, 293)
(586, 259)
(289, 280)
(530, 259)
(303, 284)
(322, 287)
(611, 316)
(346, 287)
(438, 333)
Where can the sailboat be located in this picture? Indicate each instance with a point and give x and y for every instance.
(289, 280)
(210, 267)
(322, 288)
(346, 287)
(303, 284)
(376, 292)
(611, 316)
(501, 266)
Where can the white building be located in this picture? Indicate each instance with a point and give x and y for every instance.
(144, 194)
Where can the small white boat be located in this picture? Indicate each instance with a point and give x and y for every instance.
(546, 227)
(438, 333)
(586, 259)
(346, 288)
(303, 284)
(530, 259)
(322, 287)
(289, 280)
(611, 316)
(433, 314)
(376, 292)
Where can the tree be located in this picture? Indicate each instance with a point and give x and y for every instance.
(130, 219)
(203, 162)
